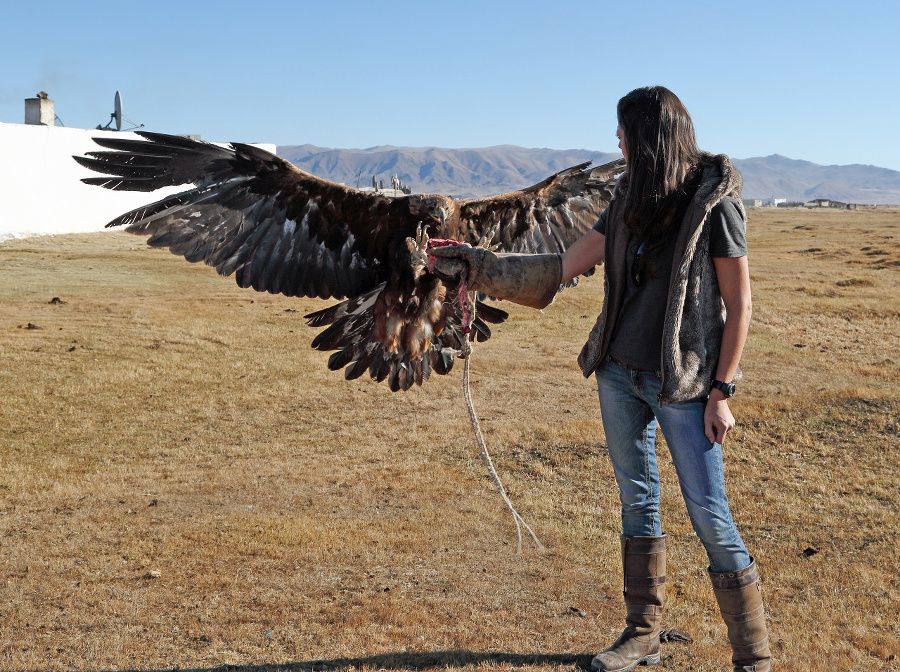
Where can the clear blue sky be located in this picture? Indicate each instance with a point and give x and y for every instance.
(810, 80)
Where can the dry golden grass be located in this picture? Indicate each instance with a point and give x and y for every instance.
(183, 484)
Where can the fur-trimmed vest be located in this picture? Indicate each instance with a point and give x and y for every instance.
(695, 314)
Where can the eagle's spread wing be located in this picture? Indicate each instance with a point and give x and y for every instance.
(281, 230)
(547, 217)
(252, 214)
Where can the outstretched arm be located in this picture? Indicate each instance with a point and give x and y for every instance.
(584, 253)
(529, 279)
(733, 275)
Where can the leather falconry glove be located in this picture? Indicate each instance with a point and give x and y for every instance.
(528, 279)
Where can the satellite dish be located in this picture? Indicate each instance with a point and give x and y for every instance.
(117, 114)
(117, 117)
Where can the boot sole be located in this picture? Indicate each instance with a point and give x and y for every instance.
(652, 659)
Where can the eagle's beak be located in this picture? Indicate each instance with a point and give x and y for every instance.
(443, 214)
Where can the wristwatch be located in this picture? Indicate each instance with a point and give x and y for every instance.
(725, 388)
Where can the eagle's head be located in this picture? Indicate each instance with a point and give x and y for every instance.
(434, 212)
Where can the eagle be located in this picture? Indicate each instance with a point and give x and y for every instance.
(251, 214)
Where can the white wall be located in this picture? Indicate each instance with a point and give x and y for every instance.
(41, 191)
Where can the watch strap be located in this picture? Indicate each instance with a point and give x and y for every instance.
(725, 388)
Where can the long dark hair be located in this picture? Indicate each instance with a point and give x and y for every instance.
(662, 163)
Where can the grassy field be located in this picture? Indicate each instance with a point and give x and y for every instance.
(183, 483)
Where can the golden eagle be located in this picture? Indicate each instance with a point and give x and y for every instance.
(281, 230)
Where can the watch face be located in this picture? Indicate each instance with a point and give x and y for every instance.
(726, 388)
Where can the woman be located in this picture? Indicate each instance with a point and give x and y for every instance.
(673, 245)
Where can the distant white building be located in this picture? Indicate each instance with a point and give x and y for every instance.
(763, 202)
(41, 191)
(396, 190)
(825, 203)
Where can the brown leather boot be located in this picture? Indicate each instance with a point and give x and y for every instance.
(644, 571)
(740, 601)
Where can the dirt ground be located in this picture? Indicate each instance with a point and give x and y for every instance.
(184, 485)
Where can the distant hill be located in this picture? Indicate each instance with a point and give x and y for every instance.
(465, 173)
(469, 173)
(795, 180)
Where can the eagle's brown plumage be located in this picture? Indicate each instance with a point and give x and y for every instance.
(281, 230)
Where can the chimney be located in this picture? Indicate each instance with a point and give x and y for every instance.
(39, 111)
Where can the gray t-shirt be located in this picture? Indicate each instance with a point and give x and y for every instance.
(637, 339)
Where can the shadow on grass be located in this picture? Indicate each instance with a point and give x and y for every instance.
(410, 661)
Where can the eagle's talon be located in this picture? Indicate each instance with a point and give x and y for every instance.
(418, 248)
(421, 238)
(486, 241)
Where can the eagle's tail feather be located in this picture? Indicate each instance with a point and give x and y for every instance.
(350, 328)
(441, 359)
(380, 367)
(490, 313)
(356, 305)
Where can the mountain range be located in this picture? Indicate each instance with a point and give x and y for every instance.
(472, 173)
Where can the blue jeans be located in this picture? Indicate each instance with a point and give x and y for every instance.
(630, 411)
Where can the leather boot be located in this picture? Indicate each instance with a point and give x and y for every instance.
(644, 571)
(528, 279)
(740, 602)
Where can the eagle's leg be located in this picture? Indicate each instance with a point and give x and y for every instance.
(418, 248)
